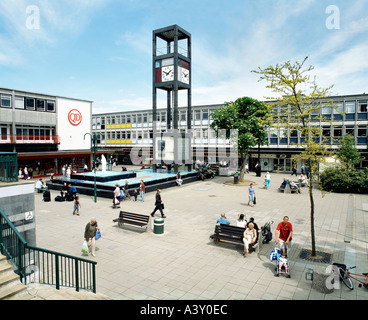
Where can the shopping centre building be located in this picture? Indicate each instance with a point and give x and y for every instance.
(46, 131)
(120, 132)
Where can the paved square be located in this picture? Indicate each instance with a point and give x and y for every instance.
(184, 263)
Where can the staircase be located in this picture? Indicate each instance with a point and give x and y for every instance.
(12, 289)
(10, 284)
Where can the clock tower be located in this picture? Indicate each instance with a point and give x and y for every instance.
(171, 73)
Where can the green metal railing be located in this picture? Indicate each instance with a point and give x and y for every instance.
(45, 266)
(8, 167)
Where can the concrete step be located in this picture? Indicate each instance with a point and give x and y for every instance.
(10, 284)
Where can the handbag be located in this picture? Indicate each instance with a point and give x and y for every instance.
(254, 202)
(162, 205)
(85, 248)
(98, 234)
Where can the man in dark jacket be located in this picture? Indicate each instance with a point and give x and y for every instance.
(158, 204)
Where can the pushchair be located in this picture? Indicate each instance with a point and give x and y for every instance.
(266, 232)
(282, 264)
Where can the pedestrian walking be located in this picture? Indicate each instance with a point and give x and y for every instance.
(77, 205)
(251, 195)
(117, 196)
(142, 190)
(267, 180)
(90, 235)
(283, 234)
(159, 205)
(126, 191)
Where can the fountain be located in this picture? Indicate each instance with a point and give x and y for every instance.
(103, 163)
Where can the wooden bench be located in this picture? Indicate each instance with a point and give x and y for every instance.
(292, 190)
(232, 234)
(132, 218)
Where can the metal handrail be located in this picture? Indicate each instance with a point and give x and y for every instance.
(42, 265)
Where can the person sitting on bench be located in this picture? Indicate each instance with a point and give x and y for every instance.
(222, 219)
(294, 186)
(40, 186)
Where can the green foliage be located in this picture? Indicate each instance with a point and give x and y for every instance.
(347, 152)
(246, 115)
(344, 181)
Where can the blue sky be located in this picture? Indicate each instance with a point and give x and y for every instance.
(101, 50)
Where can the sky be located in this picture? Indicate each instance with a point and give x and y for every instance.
(101, 50)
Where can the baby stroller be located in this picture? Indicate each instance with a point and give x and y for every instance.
(266, 232)
(281, 258)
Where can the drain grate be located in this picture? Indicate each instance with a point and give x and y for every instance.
(322, 257)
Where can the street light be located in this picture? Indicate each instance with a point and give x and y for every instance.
(94, 138)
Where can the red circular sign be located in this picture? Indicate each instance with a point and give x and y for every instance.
(74, 117)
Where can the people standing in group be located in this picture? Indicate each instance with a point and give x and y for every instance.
(142, 190)
(283, 234)
(68, 172)
(251, 195)
(90, 234)
(267, 179)
(126, 191)
(158, 204)
(117, 196)
(249, 238)
(77, 205)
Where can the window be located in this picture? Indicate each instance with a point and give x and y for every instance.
(350, 130)
(134, 118)
(102, 123)
(122, 119)
(205, 115)
(108, 121)
(5, 100)
(350, 107)
(30, 103)
(337, 132)
(326, 110)
(128, 118)
(19, 103)
(50, 106)
(362, 132)
(40, 105)
(183, 116)
(326, 131)
(113, 120)
(197, 115)
(145, 118)
(339, 108)
(139, 118)
(362, 106)
(163, 116)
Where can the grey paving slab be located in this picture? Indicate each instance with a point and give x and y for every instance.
(184, 263)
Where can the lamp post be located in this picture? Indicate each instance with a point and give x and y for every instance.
(94, 138)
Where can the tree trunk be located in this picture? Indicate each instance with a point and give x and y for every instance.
(313, 240)
(243, 158)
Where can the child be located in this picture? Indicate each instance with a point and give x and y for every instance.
(135, 194)
(77, 205)
(283, 262)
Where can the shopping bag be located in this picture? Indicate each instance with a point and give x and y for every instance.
(85, 247)
(98, 234)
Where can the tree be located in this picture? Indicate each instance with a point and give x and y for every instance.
(297, 109)
(347, 152)
(250, 118)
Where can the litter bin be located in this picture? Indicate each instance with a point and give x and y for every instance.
(236, 179)
(158, 226)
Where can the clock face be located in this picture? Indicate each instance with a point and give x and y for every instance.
(184, 75)
(167, 73)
